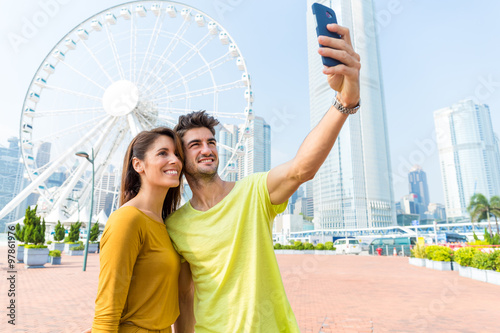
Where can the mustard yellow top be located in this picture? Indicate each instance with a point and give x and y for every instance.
(138, 280)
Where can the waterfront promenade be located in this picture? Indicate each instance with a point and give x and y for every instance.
(327, 294)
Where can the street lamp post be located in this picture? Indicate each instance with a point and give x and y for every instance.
(91, 160)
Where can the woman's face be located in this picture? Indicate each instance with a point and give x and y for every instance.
(161, 165)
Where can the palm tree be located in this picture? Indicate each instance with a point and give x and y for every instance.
(495, 209)
(480, 209)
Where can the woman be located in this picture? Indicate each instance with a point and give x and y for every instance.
(139, 268)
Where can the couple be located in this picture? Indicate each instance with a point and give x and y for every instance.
(212, 268)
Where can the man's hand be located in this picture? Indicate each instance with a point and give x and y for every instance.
(343, 78)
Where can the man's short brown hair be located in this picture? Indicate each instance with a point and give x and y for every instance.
(195, 119)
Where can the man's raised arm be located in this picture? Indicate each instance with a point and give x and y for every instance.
(284, 180)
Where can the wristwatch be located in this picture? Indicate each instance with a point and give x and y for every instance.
(336, 104)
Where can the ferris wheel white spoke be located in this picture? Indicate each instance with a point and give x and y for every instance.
(49, 171)
(154, 35)
(82, 75)
(110, 122)
(144, 121)
(93, 56)
(170, 48)
(75, 93)
(113, 49)
(167, 120)
(71, 130)
(196, 73)
(64, 112)
(202, 92)
(195, 49)
(134, 125)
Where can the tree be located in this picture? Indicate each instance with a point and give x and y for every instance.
(19, 234)
(94, 232)
(74, 232)
(480, 209)
(59, 232)
(34, 230)
(495, 209)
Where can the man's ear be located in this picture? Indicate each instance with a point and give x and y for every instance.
(137, 165)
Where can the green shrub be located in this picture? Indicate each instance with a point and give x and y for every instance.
(493, 258)
(497, 263)
(94, 232)
(329, 246)
(78, 248)
(308, 246)
(298, 245)
(320, 247)
(55, 253)
(19, 234)
(35, 246)
(442, 253)
(464, 255)
(277, 246)
(429, 251)
(74, 232)
(34, 227)
(22, 245)
(59, 232)
(49, 242)
(480, 261)
(418, 252)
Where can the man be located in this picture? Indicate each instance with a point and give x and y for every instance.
(224, 233)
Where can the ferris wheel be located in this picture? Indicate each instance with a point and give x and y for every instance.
(129, 68)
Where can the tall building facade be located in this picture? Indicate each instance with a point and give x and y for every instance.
(105, 192)
(468, 154)
(417, 183)
(257, 148)
(227, 135)
(11, 179)
(353, 188)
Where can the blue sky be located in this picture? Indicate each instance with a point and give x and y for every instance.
(433, 53)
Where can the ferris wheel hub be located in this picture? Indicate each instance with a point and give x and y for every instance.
(120, 98)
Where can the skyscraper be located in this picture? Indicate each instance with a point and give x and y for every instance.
(104, 193)
(257, 147)
(353, 188)
(227, 135)
(417, 180)
(468, 154)
(43, 154)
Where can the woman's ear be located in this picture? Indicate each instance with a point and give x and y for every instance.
(137, 165)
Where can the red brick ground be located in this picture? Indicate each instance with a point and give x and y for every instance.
(327, 294)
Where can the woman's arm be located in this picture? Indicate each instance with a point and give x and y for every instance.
(185, 322)
(120, 245)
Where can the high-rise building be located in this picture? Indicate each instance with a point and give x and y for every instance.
(43, 154)
(438, 211)
(353, 188)
(11, 179)
(104, 193)
(468, 155)
(417, 180)
(257, 147)
(227, 135)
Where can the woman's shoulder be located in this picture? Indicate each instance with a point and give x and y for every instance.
(127, 215)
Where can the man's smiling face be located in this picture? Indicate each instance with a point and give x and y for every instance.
(201, 156)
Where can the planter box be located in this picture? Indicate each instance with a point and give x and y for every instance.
(493, 277)
(57, 246)
(307, 251)
(455, 266)
(92, 247)
(441, 265)
(35, 258)
(55, 260)
(278, 251)
(20, 254)
(75, 253)
(417, 262)
(330, 252)
(320, 252)
(68, 247)
(429, 263)
(478, 274)
(464, 271)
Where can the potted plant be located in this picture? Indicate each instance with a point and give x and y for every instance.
(441, 258)
(479, 265)
(55, 257)
(19, 235)
(77, 250)
(35, 253)
(463, 257)
(73, 236)
(94, 234)
(417, 256)
(308, 248)
(319, 249)
(330, 249)
(493, 275)
(58, 237)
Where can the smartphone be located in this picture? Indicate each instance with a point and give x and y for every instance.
(325, 16)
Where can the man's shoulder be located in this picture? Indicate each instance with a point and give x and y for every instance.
(254, 178)
(178, 214)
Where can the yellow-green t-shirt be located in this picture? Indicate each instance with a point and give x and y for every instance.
(238, 286)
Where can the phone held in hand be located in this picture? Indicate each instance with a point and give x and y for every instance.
(325, 16)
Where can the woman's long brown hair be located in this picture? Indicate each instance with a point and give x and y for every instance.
(131, 181)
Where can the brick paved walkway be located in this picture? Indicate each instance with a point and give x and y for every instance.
(327, 294)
